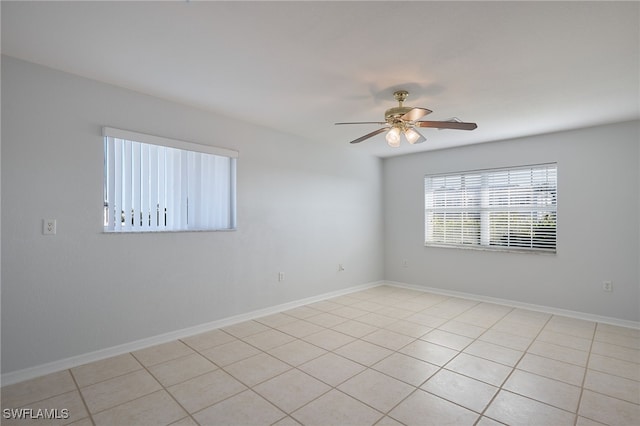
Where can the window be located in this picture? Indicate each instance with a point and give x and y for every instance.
(508, 209)
(157, 184)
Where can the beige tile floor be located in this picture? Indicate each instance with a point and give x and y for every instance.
(384, 356)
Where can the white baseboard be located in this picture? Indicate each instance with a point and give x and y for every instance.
(516, 304)
(75, 361)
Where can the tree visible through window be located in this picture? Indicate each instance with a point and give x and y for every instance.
(512, 209)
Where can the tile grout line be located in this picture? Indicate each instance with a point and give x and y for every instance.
(459, 351)
(420, 338)
(481, 414)
(393, 352)
(442, 367)
(251, 388)
(162, 387)
(513, 369)
(84, 402)
(219, 367)
(331, 387)
(586, 371)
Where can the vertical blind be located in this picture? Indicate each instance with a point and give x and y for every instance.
(514, 208)
(162, 187)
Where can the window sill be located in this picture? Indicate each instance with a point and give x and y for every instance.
(495, 249)
(164, 231)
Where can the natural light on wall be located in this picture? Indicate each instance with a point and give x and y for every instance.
(156, 184)
(511, 209)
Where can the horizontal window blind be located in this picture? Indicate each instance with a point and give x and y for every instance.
(513, 209)
(155, 187)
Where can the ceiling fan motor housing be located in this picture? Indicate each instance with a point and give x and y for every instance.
(392, 115)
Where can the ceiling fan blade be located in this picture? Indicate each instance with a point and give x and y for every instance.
(416, 114)
(369, 135)
(447, 125)
(364, 122)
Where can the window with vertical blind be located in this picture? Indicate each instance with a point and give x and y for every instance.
(511, 209)
(156, 184)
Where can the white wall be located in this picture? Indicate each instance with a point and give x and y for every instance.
(302, 209)
(598, 224)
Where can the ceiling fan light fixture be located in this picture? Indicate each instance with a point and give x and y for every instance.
(393, 137)
(412, 136)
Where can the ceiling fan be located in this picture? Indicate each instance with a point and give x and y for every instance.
(404, 120)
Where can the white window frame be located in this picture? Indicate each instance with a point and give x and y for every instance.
(493, 209)
(170, 185)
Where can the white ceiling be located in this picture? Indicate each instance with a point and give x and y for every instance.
(515, 68)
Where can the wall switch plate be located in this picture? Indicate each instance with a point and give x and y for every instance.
(280, 276)
(340, 267)
(607, 286)
(49, 227)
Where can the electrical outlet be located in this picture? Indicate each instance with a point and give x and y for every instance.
(49, 227)
(607, 286)
(405, 263)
